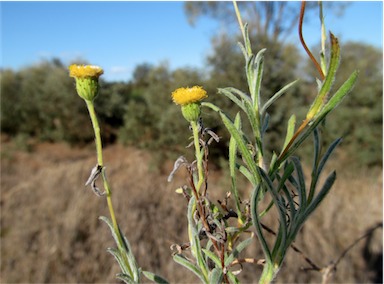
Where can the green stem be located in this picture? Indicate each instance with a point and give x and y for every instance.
(239, 20)
(99, 151)
(268, 274)
(96, 129)
(323, 39)
(199, 157)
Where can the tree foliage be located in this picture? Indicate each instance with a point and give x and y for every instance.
(274, 20)
(39, 101)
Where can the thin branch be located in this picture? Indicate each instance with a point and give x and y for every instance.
(369, 232)
(296, 249)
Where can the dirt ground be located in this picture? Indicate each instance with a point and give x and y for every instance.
(50, 231)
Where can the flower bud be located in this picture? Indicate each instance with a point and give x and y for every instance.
(87, 80)
(191, 112)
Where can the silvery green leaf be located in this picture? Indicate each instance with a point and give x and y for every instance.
(216, 276)
(276, 96)
(232, 97)
(257, 77)
(180, 259)
(232, 277)
(237, 250)
(119, 260)
(290, 130)
(232, 163)
(154, 277)
(125, 278)
(237, 135)
(213, 257)
(265, 123)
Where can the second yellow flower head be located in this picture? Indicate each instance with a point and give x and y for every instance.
(189, 100)
(184, 96)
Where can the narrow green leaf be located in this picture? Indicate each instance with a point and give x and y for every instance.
(208, 247)
(213, 257)
(255, 125)
(312, 206)
(316, 172)
(195, 241)
(248, 175)
(211, 106)
(240, 144)
(237, 250)
(322, 193)
(250, 74)
(247, 42)
(125, 278)
(290, 130)
(109, 223)
(252, 117)
(292, 211)
(116, 254)
(232, 278)
(238, 135)
(257, 224)
(180, 259)
(242, 96)
(216, 276)
(232, 164)
(278, 245)
(280, 206)
(301, 184)
(232, 97)
(154, 277)
(265, 123)
(288, 170)
(273, 160)
(316, 154)
(276, 96)
(321, 98)
(332, 103)
(344, 90)
(126, 249)
(258, 75)
(243, 49)
(327, 154)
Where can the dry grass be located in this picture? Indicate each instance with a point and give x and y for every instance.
(50, 230)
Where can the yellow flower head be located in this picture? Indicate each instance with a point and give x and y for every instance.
(87, 80)
(184, 96)
(85, 71)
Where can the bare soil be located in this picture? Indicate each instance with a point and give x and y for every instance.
(50, 231)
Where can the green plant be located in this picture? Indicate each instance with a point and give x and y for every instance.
(215, 239)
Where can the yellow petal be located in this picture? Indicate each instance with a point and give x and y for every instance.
(85, 71)
(183, 96)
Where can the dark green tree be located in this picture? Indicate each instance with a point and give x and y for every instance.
(151, 119)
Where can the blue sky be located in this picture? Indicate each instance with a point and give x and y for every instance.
(120, 35)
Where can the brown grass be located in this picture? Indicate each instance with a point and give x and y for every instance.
(50, 230)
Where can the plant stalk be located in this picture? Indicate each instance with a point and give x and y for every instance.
(108, 192)
(199, 158)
